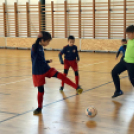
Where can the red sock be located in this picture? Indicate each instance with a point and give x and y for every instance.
(40, 99)
(63, 81)
(66, 80)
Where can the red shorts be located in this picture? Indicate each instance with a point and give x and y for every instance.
(68, 64)
(39, 80)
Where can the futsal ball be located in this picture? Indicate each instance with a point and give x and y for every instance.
(91, 111)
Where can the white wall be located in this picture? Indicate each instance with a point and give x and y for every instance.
(100, 30)
(86, 31)
(11, 2)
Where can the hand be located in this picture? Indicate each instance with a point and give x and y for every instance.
(62, 62)
(40, 35)
(77, 61)
(50, 60)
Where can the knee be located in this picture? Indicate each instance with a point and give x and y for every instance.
(113, 73)
(56, 74)
(65, 71)
(41, 89)
(76, 73)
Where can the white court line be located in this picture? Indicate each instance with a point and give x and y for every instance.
(93, 64)
(14, 82)
(86, 65)
(30, 77)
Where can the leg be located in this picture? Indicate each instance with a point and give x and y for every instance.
(66, 68)
(65, 79)
(54, 73)
(40, 96)
(65, 74)
(40, 100)
(130, 68)
(118, 69)
(77, 77)
(122, 58)
(74, 66)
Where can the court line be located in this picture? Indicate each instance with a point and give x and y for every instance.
(12, 57)
(14, 82)
(87, 71)
(16, 70)
(58, 70)
(58, 101)
(62, 69)
(8, 112)
(93, 64)
(11, 63)
(4, 94)
(14, 76)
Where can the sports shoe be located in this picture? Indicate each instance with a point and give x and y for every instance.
(37, 111)
(79, 90)
(116, 94)
(61, 88)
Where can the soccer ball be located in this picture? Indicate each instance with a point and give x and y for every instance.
(91, 111)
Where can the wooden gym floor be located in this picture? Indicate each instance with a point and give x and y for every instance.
(63, 113)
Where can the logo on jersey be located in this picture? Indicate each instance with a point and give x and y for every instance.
(74, 50)
(40, 49)
(68, 51)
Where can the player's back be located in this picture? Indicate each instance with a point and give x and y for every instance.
(39, 65)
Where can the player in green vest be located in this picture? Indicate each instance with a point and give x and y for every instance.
(126, 64)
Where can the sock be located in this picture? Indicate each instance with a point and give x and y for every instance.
(40, 99)
(63, 81)
(77, 80)
(66, 80)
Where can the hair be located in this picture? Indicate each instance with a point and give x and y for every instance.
(130, 29)
(71, 37)
(45, 36)
(124, 40)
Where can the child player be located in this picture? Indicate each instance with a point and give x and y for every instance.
(126, 64)
(122, 48)
(41, 69)
(71, 58)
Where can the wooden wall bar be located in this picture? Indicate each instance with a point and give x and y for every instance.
(28, 19)
(4, 20)
(52, 17)
(107, 20)
(124, 18)
(16, 19)
(39, 10)
(79, 18)
(65, 17)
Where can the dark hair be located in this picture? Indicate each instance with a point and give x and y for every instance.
(130, 29)
(124, 40)
(46, 36)
(71, 37)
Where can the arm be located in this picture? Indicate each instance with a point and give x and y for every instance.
(77, 55)
(117, 55)
(48, 61)
(60, 56)
(118, 52)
